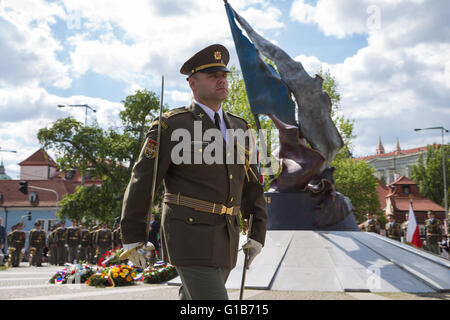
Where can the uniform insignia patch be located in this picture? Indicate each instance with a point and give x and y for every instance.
(150, 149)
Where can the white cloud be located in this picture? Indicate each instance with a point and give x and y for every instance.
(28, 54)
(182, 97)
(312, 64)
(152, 38)
(25, 110)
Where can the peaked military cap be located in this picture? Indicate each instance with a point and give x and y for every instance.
(210, 59)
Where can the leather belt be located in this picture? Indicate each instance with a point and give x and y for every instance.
(200, 205)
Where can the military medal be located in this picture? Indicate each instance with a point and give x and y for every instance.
(150, 149)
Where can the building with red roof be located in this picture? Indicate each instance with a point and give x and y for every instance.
(400, 193)
(46, 186)
(388, 166)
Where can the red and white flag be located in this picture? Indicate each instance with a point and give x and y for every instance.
(412, 232)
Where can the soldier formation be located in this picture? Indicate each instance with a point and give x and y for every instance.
(62, 245)
(435, 240)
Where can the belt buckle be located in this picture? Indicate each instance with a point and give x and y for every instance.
(226, 210)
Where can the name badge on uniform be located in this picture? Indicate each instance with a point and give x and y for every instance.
(150, 149)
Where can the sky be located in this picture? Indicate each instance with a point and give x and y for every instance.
(390, 59)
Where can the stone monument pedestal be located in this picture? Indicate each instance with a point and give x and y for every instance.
(296, 211)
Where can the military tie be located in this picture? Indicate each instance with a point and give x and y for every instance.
(217, 121)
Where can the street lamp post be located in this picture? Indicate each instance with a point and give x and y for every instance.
(85, 119)
(79, 106)
(443, 170)
(13, 151)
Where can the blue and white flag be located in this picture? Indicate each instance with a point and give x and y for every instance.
(266, 92)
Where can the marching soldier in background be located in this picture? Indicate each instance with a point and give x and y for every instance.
(103, 240)
(370, 225)
(52, 246)
(73, 241)
(16, 243)
(10, 249)
(36, 243)
(405, 227)
(61, 242)
(393, 229)
(117, 240)
(433, 232)
(85, 243)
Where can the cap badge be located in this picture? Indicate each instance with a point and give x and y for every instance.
(217, 55)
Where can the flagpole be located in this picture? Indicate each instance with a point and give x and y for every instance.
(267, 162)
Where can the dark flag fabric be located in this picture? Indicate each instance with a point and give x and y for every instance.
(266, 92)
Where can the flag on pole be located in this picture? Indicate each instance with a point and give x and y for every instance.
(412, 233)
(266, 92)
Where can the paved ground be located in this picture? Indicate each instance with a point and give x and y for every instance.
(31, 283)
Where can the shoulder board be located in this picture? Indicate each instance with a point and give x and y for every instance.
(157, 121)
(236, 116)
(173, 112)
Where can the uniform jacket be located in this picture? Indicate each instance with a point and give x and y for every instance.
(85, 238)
(103, 237)
(37, 239)
(190, 237)
(16, 239)
(61, 236)
(73, 236)
(394, 232)
(371, 226)
(433, 229)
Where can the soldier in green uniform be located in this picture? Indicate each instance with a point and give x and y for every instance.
(405, 227)
(393, 229)
(10, 249)
(52, 246)
(85, 243)
(202, 199)
(103, 240)
(433, 232)
(73, 241)
(61, 242)
(16, 241)
(370, 225)
(36, 243)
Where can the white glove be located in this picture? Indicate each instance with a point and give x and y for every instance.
(137, 253)
(252, 248)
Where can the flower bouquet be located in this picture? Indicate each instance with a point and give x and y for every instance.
(160, 272)
(100, 279)
(73, 274)
(110, 257)
(114, 276)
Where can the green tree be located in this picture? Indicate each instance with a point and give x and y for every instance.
(344, 126)
(428, 173)
(356, 180)
(109, 155)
